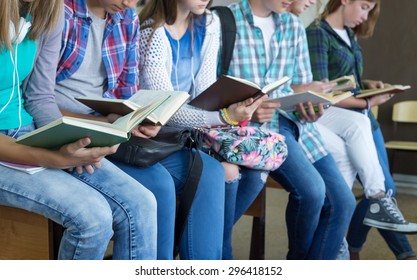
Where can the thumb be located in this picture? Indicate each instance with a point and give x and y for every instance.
(82, 143)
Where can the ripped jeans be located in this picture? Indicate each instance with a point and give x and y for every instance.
(240, 194)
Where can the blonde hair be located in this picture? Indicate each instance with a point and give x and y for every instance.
(364, 30)
(45, 15)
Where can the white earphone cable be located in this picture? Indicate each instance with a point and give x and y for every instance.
(19, 97)
(176, 65)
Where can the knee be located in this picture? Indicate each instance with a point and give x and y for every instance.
(231, 171)
(350, 204)
(359, 122)
(312, 194)
(147, 202)
(91, 224)
(138, 207)
(344, 201)
(162, 189)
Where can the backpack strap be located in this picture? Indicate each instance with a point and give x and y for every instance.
(228, 28)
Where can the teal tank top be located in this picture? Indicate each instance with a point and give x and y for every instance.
(11, 83)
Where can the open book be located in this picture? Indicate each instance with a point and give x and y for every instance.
(30, 169)
(387, 89)
(289, 102)
(228, 90)
(140, 99)
(68, 129)
(344, 83)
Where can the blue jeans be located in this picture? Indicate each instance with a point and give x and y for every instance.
(358, 232)
(202, 237)
(320, 203)
(240, 194)
(88, 206)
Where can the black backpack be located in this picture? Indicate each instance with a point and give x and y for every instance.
(228, 29)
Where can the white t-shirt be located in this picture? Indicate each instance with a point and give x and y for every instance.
(267, 26)
(344, 35)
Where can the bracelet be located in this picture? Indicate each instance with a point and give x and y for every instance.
(227, 118)
(222, 117)
(368, 104)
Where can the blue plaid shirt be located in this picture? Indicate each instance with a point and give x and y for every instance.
(289, 57)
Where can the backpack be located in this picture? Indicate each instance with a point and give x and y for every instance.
(228, 29)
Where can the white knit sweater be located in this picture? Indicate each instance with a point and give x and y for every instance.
(156, 67)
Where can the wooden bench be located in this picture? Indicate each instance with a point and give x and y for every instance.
(26, 236)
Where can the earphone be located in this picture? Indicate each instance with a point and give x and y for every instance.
(22, 29)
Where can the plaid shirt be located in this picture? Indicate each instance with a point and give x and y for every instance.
(289, 57)
(331, 57)
(119, 50)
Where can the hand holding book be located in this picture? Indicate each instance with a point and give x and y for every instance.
(242, 111)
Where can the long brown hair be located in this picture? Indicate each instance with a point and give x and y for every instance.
(161, 11)
(45, 15)
(364, 30)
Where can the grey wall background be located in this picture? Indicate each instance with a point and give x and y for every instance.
(391, 56)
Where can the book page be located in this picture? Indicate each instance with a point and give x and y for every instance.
(131, 120)
(270, 87)
(30, 169)
(289, 102)
(164, 112)
(243, 81)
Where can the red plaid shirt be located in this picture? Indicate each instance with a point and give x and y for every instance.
(119, 51)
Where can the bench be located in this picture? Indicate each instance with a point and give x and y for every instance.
(26, 235)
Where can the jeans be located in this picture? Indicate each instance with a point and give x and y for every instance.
(356, 237)
(240, 194)
(320, 204)
(202, 237)
(88, 206)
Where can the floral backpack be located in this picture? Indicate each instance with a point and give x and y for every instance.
(249, 146)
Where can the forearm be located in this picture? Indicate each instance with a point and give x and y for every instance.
(353, 103)
(300, 88)
(13, 152)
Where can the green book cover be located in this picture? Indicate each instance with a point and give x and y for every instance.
(67, 130)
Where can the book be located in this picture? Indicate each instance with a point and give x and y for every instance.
(140, 99)
(228, 90)
(394, 89)
(289, 102)
(66, 130)
(30, 169)
(344, 83)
